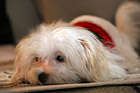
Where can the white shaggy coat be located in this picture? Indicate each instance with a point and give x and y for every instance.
(85, 57)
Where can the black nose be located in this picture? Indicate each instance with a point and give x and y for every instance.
(42, 77)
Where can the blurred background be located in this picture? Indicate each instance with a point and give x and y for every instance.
(18, 17)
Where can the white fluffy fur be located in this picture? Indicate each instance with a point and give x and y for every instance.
(85, 57)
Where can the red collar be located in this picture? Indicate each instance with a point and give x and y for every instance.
(102, 35)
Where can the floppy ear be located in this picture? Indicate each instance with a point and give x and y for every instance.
(22, 61)
(100, 62)
(18, 74)
(16, 77)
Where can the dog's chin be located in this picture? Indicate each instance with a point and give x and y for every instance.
(81, 80)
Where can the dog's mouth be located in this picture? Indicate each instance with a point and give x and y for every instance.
(25, 82)
(82, 80)
(43, 79)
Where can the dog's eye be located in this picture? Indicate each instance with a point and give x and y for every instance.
(60, 58)
(37, 59)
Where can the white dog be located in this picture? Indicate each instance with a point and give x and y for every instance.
(88, 49)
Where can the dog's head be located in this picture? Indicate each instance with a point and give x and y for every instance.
(61, 54)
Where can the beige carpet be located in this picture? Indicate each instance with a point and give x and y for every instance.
(129, 84)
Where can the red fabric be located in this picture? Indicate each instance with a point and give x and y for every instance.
(106, 39)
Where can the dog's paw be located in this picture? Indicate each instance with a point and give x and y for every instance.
(5, 76)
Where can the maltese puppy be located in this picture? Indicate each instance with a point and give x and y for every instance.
(88, 49)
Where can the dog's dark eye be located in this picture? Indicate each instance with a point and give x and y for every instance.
(37, 59)
(60, 58)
